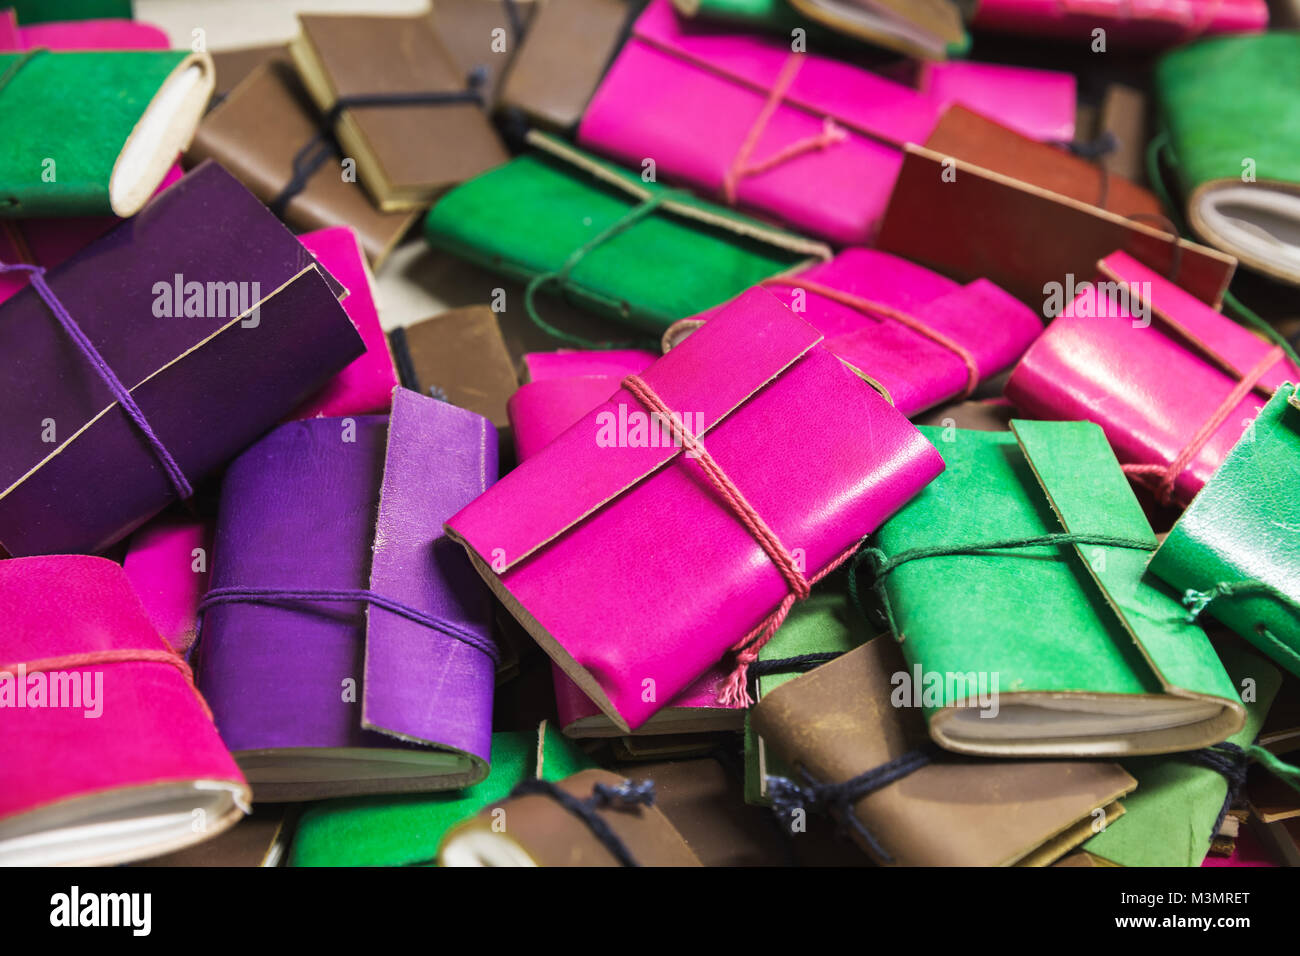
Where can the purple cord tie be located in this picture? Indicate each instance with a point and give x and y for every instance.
(251, 595)
(120, 391)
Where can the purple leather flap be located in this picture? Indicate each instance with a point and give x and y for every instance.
(703, 380)
(421, 684)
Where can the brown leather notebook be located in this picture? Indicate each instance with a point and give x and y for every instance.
(257, 131)
(460, 357)
(408, 152)
(562, 59)
(233, 66)
(483, 35)
(536, 829)
(838, 721)
(970, 222)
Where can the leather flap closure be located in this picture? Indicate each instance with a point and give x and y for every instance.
(1078, 473)
(1216, 337)
(747, 345)
(683, 204)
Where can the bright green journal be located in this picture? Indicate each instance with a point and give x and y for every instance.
(93, 134)
(1015, 584)
(405, 830)
(1230, 108)
(823, 626)
(1235, 552)
(1169, 819)
(631, 251)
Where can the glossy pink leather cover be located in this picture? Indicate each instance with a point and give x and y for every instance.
(1039, 104)
(1150, 389)
(367, 384)
(918, 372)
(169, 563)
(1151, 23)
(687, 95)
(152, 727)
(623, 562)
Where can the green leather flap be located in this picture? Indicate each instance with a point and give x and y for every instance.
(532, 214)
(1244, 525)
(405, 830)
(1071, 465)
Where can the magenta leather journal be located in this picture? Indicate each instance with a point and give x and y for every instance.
(924, 338)
(1172, 382)
(560, 388)
(692, 533)
(1133, 23)
(107, 752)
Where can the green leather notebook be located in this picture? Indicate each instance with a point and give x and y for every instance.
(406, 830)
(1168, 820)
(45, 11)
(1230, 107)
(93, 134)
(1050, 649)
(555, 212)
(1237, 547)
(823, 624)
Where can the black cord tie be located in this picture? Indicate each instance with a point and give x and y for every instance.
(839, 798)
(623, 796)
(1230, 761)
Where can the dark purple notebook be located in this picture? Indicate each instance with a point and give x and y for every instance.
(323, 699)
(210, 313)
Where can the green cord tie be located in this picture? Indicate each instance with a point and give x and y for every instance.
(1197, 601)
(882, 565)
(560, 276)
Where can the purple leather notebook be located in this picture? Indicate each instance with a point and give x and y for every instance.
(212, 316)
(319, 699)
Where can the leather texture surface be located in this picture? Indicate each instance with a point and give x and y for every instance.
(462, 354)
(1151, 388)
(405, 154)
(405, 830)
(100, 480)
(308, 508)
(367, 384)
(1242, 527)
(562, 58)
(256, 131)
(1145, 23)
(531, 214)
(78, 109)
(683, 578)
(838, 721)
(971, 223)
(918, 373)
(168, 562)
(1169, 820)
(1052, 622)
(552, 836)
(152, 728)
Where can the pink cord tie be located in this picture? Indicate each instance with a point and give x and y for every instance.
(741, 167)
(869, 306)
(1164, 489)
(123, 656)
(735, 693)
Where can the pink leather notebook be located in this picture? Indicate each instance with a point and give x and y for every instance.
(168, 562)
(561, 388)
(810, 141)
(690, 539)
(108, 753)
(107, 34)
(1142, 23)
(924, 338)
(367, 384)
(1172, 382)
(1040, 104)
